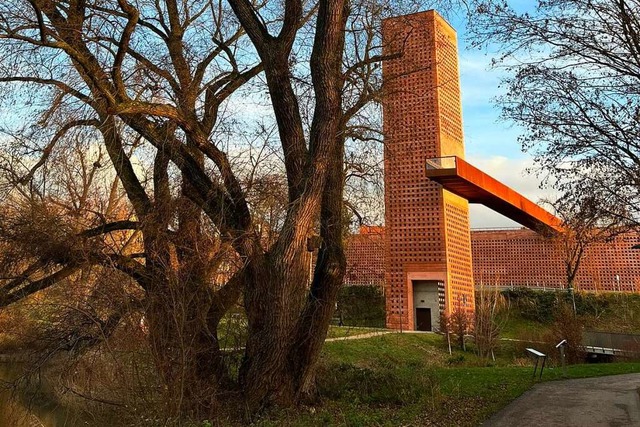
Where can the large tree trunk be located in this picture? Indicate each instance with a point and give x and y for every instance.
(183, 316)
(328, 279)
(273, 301)
(184, 342)
(287, 321)
(183, 313)
(311, 331)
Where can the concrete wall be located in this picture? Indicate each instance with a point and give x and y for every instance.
(425, 295)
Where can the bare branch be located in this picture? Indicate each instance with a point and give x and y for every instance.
(49, 148)
(36, 286)
(112, 226)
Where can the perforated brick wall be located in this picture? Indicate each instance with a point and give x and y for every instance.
(521, 257)
(365, 257)
(427, 229)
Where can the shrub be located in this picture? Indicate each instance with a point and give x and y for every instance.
(361, 306)
(567, 326)
(460, 324)
(445, 328)
(456, 360)
(486, 330)
(533, 305)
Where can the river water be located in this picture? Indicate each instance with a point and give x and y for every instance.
(31, 406)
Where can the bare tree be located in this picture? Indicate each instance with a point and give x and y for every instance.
(157, 86)
(486, 329)
(582, 227)
(572, 83)
(460, 322)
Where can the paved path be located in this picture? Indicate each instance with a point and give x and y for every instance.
(377, 333)
(605, 401)
(359, 336)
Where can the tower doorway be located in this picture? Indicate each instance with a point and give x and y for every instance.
(426, 305)
(423, 319)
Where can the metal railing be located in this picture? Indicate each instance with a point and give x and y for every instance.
(448, 162)
(609, 343)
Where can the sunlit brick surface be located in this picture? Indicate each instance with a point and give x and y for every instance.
(365, 255)
(520, 257)
(523, 258)
(426, 227)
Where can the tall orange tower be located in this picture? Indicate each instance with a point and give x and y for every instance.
(428, 249)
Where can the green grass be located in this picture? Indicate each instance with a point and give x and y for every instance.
(410, 379)
(592, 370)
(515, 327)
(401, 348)
(234, 333)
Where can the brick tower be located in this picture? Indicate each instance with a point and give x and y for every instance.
(428, 250)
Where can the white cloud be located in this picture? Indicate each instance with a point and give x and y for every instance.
(479, 84)
(513, 173)
(491, 144)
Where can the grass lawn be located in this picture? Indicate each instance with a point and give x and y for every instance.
(514, 326)
(233, 334)
(410, 379)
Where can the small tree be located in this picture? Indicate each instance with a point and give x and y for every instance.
(568, 327)
(584, 224)
(445, 328)
(486, 326)
(460, 323)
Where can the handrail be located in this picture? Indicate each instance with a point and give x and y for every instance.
(538, 355)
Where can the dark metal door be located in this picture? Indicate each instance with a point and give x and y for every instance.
(423, 319)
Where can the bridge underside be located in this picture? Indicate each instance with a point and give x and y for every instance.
(469, 182)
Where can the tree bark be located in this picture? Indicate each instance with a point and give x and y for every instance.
(186, 350)
(273, 301)
(287, 329)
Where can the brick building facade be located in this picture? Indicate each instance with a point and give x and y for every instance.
(365, 257)
(519, 257)
(428, 251)
(426, 257)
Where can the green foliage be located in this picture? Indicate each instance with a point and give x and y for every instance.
(592, 304)
(533, 305)
(613, 312)
(541, 306)
(361, 306)
(456, 360)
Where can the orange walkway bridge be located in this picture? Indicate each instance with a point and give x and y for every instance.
(469, 182)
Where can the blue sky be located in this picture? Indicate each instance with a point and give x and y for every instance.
(491, 144)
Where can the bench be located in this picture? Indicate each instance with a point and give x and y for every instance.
(538, 355)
